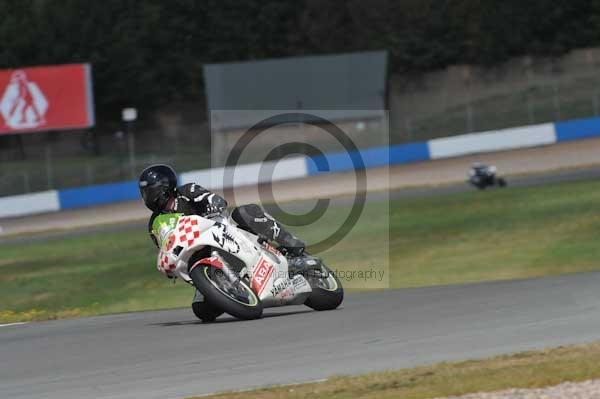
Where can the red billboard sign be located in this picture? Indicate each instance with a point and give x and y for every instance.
(46, 98)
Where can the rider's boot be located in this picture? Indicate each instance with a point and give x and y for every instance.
(305, 265)
(291, 244)
(203, 310)
(299, 262)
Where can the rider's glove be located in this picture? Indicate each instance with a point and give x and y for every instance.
(215, 205)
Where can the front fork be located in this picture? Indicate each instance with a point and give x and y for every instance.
(231, 275)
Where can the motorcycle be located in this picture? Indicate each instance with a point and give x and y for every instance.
(238, 272)
(483, 176)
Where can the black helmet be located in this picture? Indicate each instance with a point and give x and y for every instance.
(157, 185)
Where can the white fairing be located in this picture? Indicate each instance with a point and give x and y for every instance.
(266, 267)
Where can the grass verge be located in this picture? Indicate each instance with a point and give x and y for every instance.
(534, 369)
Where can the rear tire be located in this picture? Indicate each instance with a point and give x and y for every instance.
(239, 300)
(328, 292)
(501, 182)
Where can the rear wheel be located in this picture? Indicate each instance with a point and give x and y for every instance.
(233, 297)
(327, 290)
(501, 182)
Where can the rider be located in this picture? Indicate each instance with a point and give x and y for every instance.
(158, 186)
(482, 170)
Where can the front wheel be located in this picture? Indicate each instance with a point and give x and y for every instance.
(233, 297)
(328, 292)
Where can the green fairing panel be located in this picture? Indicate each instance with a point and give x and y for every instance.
(163, 225)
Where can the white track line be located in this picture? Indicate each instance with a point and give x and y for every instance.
(12, 324)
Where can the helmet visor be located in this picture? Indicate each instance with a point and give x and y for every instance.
(155, 197)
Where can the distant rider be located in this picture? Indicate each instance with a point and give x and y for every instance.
(482, 170)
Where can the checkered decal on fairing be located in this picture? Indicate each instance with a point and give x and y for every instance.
(165, 263)
(188, 231)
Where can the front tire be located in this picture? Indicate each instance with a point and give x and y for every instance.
(236, 299)
(328, 292)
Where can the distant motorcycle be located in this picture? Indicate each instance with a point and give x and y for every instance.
(238, 272)
(484, 176)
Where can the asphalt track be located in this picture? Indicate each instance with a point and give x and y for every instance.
(169, 354)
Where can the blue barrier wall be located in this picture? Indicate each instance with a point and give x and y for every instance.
(407, 153)
(577, 129)
(369, 158)
(97, 195)
(339, 162)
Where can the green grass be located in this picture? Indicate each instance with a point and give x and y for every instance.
(93, 274)
(451, 239)
(534, 369)
(511, 233)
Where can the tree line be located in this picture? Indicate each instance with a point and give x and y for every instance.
(150, 52)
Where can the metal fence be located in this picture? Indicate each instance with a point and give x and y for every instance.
(46, 161)
(453, 101)
(466, 99)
